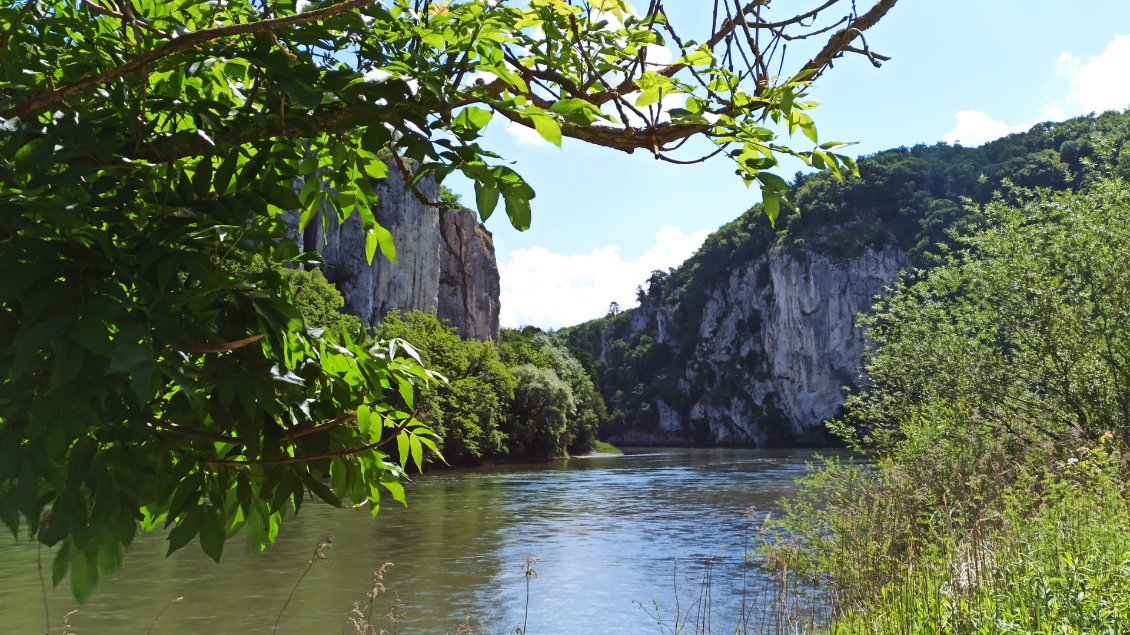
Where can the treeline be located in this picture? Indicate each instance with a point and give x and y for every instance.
(914, 199)
(525, 398)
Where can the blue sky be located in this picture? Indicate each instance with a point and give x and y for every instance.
(961, 70)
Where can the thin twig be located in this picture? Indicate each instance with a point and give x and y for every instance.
(158, 618)
(319, 554)
(43, 587)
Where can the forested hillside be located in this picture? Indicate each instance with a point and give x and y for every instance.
(750, 340)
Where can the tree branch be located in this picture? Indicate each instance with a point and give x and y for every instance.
(37, 104)
(842, 39)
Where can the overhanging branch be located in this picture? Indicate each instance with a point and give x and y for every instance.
(37, 104)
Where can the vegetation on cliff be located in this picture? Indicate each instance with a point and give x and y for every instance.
(912, 199)
(525, 398)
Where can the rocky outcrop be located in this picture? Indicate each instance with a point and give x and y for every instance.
(766, 360)
(444, 261)
(785, 328)
(468, 276)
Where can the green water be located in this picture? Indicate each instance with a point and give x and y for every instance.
(609, 534)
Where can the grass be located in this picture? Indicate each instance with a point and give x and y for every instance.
(1051, 557)
(602, 447)
(1054, 560)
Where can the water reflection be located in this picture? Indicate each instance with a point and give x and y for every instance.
(607, 533)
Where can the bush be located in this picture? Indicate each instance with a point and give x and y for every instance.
(989, 377)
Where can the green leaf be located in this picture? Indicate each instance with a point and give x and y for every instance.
(243, 493)
(84, 576)
(547, 127)
(375, 169)
(698, 57)
(364, 417)
(649, 96)
(61, 563)
(10, 514)
(471, 120)
(320, 490)
(395, 488)
(187, 492)
(577, 111)
(212, 535)
(518, 209)
(771, 201)
(184, 532)
(378, 236)
(486, 199)
(417, 452)
(406, 393)
(402, 448)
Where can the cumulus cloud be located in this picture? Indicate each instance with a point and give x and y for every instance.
(974, 127)
(552, 290)
(1097, 84)
(1094, 84)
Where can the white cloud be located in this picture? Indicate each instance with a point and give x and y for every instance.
(1098, 83)
(1094, 84)
(552, 290)
(975, 127)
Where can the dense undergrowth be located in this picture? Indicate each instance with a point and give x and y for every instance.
(997, 415)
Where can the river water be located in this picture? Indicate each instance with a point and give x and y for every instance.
(617, 541)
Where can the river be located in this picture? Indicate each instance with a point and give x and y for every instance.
(616, 540)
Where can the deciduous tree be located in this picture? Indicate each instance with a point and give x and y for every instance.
(148, 150)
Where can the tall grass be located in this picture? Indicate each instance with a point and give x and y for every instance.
(1050, 555)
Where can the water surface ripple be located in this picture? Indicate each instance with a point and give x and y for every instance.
(608, 534)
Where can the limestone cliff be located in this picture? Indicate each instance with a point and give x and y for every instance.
(468, 276)
(765, 360)
(750, 341)
(444, 261)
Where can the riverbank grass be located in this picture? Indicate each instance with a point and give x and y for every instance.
(603, 447)
(1052, 558)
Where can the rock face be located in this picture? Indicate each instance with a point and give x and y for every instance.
(444, 265)
(468, 276)
(767, 360)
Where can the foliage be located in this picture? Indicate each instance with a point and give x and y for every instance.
(320, 303)
(1021, 333)
(913, 199)
(539, 417)
(996, 408)
(582, 403)
(449, 199)
(486, 411)
(1053, 561)
(467, 410)
(148, 151)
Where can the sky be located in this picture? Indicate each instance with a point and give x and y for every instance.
(962, 71)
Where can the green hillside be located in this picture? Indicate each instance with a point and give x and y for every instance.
(911, 199)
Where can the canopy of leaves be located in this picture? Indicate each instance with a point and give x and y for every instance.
(997, 410)
(150, 373)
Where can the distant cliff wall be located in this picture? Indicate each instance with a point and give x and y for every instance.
(445, 262)
(765, 360)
